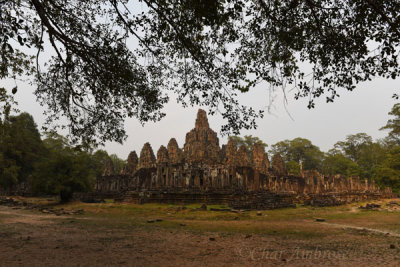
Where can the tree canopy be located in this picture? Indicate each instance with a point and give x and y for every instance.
(299, 151)
(63, 170)
(353, 146)
(50, 165)
(393, 124)
(20, 148)
(339, 164)
(388, 172)
(247, 141)
(204, 51)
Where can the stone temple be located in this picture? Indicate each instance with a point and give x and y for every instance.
(205, 172)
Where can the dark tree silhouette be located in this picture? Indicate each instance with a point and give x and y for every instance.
(204, 51)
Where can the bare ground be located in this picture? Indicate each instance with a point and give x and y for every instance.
(115, 234)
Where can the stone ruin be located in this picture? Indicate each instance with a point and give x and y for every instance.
(205, 172)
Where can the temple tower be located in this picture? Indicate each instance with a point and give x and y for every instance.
(202, 143)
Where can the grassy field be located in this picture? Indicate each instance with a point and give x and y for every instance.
(157, 234)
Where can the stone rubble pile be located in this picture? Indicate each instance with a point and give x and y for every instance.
(15, 204)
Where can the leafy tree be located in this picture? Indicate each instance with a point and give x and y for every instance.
(371, 156)
(339, 164)
(20, 148)
(248, 141)
(363, 156)
(388, 173)
(8, 173)
(98, 161)
(63, 171)
(353, 146)
(205, 51)
(394, 124)
(293, 167)
(56, 142)
(299, 150)
(7, 104)
(51, 166)
(388, 177)
(117, 162)
(282, 148)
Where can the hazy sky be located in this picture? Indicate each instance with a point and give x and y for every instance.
(363, 110)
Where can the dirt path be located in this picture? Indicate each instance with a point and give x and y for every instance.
(363, 229)
(34, 239)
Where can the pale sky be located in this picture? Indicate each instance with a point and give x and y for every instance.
(363, 110)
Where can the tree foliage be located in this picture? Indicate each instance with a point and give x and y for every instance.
(63, 172)
(388, 173)
(293, 167)
(393, 124)
(301, 151)
(354, 145)
(20, 148)
(117, 163)
(66, 169)
(204, 51)
(248, 141)
(339, 164)
(98, 161)
(48, 166)
(358, 155)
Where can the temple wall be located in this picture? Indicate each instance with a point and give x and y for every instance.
(204, 172)
(242, 187)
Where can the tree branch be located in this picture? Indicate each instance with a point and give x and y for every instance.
(114, 4)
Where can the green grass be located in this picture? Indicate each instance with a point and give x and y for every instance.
(290, 222)
(198, 221)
